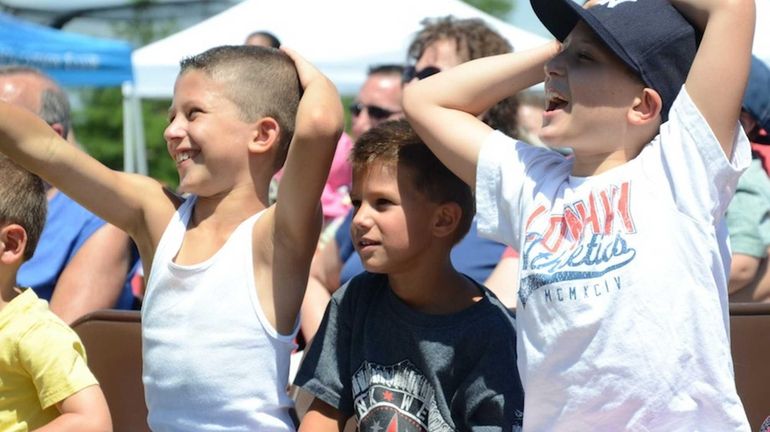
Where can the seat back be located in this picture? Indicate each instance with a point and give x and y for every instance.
(113, 342)
(750, 340)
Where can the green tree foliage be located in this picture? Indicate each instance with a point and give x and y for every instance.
(497, 8)
(99, 123)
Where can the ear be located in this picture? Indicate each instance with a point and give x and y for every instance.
(13, 242)
(59, 129)
(446, 217)
(265, 135)
(646, 107)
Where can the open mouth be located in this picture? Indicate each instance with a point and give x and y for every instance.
(555, 102)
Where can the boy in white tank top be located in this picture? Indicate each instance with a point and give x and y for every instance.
(215, 345)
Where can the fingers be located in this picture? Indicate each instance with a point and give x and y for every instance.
(306, 71)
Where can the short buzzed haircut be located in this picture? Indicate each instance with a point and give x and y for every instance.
(260, 81)
(396, 143)
(54, 103)
(22, 201)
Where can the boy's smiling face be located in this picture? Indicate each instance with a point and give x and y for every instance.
(392, 221)
(589, 93)
(206, 136)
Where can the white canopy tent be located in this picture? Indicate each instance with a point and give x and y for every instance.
(341, 37)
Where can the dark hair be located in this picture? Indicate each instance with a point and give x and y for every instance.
(261, 81)
(395, 142)
(54, 104)
(474, 39)
(22, 201)
(274, 42)
(386, 69)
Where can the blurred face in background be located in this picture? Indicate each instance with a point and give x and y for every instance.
(438, 56)
(378, 100)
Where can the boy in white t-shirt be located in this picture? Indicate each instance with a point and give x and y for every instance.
(623, 303)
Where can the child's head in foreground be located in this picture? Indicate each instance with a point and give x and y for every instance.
(621, 61)
(226, 93)
(22, 212)
(404, 198)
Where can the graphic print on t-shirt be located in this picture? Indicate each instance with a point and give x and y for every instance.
(583, 244)
(395, 398)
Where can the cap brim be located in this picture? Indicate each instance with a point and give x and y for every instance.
(561, 16)
(558, 16)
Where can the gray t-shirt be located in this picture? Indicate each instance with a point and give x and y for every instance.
(376, 358)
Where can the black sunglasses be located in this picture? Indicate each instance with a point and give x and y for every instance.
(410, 73)
(375, 112)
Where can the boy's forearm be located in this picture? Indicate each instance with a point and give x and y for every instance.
(20, 128)
(477, 85)
(444, 108)
(717, 78)
(319, 114)
(322, 417)
(699, 11)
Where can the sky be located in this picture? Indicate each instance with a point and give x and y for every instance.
(523, 17)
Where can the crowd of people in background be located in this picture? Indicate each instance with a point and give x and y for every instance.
(474, 253)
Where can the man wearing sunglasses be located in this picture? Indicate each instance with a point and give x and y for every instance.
(378, 100)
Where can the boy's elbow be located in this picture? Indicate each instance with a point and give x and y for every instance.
(324, 123)
(742, 271)
(410, 100)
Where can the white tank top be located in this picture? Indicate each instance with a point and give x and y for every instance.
(212, 361)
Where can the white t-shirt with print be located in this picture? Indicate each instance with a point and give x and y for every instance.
(622, 309)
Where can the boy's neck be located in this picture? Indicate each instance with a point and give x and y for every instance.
(437, 289)
(591, 165)
(620, 149)
(8, 292)
(233, 207)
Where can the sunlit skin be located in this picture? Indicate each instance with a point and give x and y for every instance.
(202, 114)
(399, 231)
(590, 94)
(382, 90)
(391, 224)
(23, 89)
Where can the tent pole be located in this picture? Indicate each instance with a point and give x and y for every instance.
(140, 146)
(128, 129)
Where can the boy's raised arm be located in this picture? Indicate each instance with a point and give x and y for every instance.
(443, 108)
(719, 73)
(33, 144)
(318, 127)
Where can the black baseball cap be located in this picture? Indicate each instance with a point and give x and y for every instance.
(650, 36)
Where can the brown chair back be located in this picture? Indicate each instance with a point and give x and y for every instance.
(750, 340)
(113, 342)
